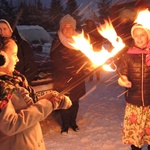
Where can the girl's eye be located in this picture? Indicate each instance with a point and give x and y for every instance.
(135, 36)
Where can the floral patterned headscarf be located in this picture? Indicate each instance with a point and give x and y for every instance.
(8, 84)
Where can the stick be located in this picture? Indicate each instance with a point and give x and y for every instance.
(81, 67)
(122, 93)
(119, 74)
(80, 80)
(117, 71)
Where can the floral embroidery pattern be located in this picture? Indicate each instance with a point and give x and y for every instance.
(132, 118)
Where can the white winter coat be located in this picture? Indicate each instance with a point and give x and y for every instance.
(19, 122)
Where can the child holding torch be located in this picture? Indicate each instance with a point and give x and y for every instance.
(20, 109)
(135, 70)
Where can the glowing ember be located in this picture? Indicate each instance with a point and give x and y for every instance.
(98, 58)
(143, 18)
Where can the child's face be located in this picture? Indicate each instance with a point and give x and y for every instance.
(12, 57)
(140, 37)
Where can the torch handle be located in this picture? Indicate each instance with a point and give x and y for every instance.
(120, 75)
(117, 71)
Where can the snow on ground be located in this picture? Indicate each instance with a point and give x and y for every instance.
(100, 119)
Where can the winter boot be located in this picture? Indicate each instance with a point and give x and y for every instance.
(74, 110)
(135, 148)
(65, 116)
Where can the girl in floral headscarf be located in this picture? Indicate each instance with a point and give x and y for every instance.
(20, 109)
(135, 70)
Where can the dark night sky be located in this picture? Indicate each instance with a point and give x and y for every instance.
(85, 2)
(86, 7)
(79, 2)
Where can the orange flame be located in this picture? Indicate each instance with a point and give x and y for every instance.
(107, 31)
(143, 18)
(108, 68)
(98, 58)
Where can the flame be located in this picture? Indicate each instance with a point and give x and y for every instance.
(108, 68)
(98, 58)
(85, 47)
(143, 18)
(107, 31)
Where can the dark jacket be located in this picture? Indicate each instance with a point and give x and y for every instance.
(135, 68)
(95, 38)
(65, 63)
(26, 65)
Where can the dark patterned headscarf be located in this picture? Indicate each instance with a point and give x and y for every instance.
(8, 84)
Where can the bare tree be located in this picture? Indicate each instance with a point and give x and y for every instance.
(55, 13)
(73, 9)
(104, 9)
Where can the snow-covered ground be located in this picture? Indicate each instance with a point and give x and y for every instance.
(100, 119)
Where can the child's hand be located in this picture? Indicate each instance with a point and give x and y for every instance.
(123, 81)
(59, 102)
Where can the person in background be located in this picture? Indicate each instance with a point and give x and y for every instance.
(20, 109)
(26, 65)
(96, 40)
(68, 66)
(135, 70)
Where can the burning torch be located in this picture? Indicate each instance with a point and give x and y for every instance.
(98, 58)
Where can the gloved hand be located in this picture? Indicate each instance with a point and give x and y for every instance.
(123, 81)
(58, 102)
